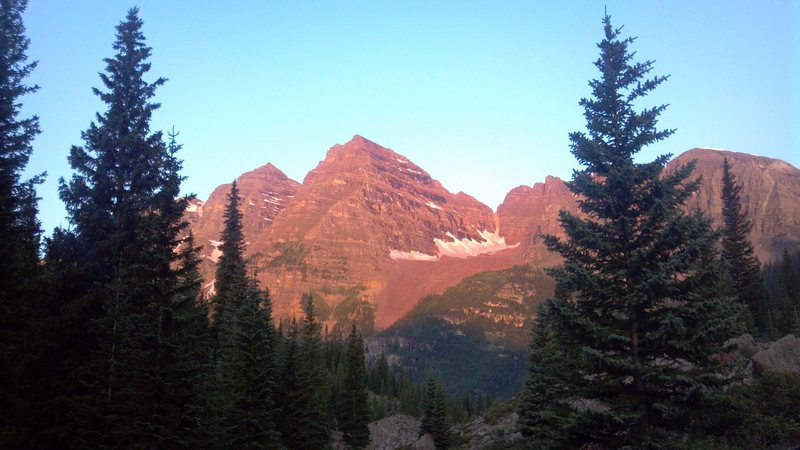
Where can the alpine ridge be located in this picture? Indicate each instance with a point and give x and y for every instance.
(370, 233)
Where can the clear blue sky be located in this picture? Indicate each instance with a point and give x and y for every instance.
(481, 94)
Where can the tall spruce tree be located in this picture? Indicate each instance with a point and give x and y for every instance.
(230, 282)
(123, 201)
(631, 296)
(19, 227)
(244, 354)
(737, 251)
(353, 413)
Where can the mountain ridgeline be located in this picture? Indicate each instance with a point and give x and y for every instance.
(370, 233)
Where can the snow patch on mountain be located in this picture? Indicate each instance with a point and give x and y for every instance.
(413, 255)
(194, 207)
(210, 288)
(434, 206)
(467, 247)
(216, 253)
(269, 198)
(457, 248)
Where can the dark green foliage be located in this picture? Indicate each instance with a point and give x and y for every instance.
(547, 416)
(762, 413)
(19, 229)
(782, 279)
(434, 417)
(230, 280)
(737, 251)
(353, 412)
(640, 297)
(122, 305)
(288, 386)
(305, 395)
(242, 401)
(188, 334)
(248, 367)
(789, 295)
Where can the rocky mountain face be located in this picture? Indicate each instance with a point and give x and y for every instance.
(369, 232)
(264, 192)
(529, 212)
(770, 196)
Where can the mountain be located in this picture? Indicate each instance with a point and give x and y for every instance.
(265, 192)
(527, 213)
(370, 233)
(770, 196)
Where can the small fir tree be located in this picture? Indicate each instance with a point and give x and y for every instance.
(353, 413)
(288, 387)
(546, 413)
(434, 418)
(312, 383)
(737, 251)
(788, 296)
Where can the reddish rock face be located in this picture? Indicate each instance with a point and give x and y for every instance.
(770, 196)
(264, 193)
(363, 208)
(527, 213)
(369, 227)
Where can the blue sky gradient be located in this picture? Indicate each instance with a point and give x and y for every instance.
(480, 94)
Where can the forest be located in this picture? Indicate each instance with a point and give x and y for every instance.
(106, 340)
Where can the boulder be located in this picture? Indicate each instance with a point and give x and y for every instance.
(481, 433)
(783, 356)
(424, 443)
(394, 432)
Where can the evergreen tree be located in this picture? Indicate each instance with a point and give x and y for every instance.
(123, 203)
(249, 365)
(244, 355)
(312, 383)
(434, 418)
(231, 275)
(19, 227)
(788, 297)
(737, 250)
(630, 296)
(288, 386)
(546, 413)
(353, 414)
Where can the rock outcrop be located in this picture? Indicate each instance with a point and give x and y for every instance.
(528, 213)
(393, 432)
(480, 433)
(782, 356)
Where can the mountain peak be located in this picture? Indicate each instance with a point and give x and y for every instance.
(359, 140)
